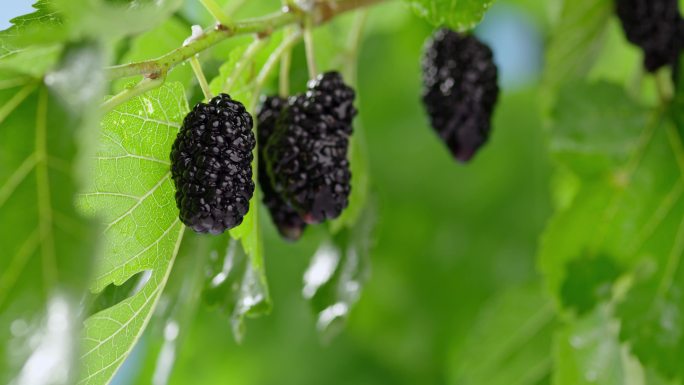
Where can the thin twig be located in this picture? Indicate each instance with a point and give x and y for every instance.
(309, 47)
(323, 11)
(285, 63)
(286, 45)
(216, 12)
(354, 43)
(143, 86)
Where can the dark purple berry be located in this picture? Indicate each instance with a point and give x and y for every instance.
(460, 90)
(211, 165)
(286, 219)
(307, 153)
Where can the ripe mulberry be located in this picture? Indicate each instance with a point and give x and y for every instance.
(211, 165)
(656, 26)
(287, 220)
(460, 90)
(307, 153)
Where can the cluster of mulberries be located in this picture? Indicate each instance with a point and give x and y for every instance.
(656, 26)
(211, 165)
(287, 220)
(305, 153)
(460, 90)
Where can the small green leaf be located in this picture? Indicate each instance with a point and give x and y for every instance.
(235, 284)
(460, 15)
(33, 43)
(133, 194)
(510, 343)
(588, 351)
(336, 274)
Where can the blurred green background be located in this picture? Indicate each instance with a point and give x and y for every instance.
(450, 238)
(454, 245)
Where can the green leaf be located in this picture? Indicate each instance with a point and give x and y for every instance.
(595, 134)
(28, 46)
(336, 274)
(629, 208)
(596, 127)
(235, 284)
(133, 194)
(47, 244)
(103, 18)
(460, 15)
(44, 25)
(588, 351)
(510, 343)
(576, 40)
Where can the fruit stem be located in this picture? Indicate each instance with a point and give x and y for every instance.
(217, 12)
(354, 43)
(199, 74)
(324, 11)
(285, 63)
(247, 56)
(664, 85)
(309, 47)
(270, 64)
(129, 93)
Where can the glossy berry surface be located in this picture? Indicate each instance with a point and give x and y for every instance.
(211, 165)
(307, 153)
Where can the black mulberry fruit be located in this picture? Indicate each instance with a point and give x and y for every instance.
(290, 225)
(211, 165)
(460, 90)
(307, 153)
(656, 26)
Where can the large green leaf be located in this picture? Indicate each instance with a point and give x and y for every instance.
(133, 193)
(103, 18)
(652, 313)
(47, 244)
(457, 14)
(576, 40)
(511, 341)
(597, 130)
(626, 213)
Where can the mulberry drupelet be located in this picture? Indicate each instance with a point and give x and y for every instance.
(307, 153)
(460, 90)
(290, 225)
(211, 165)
